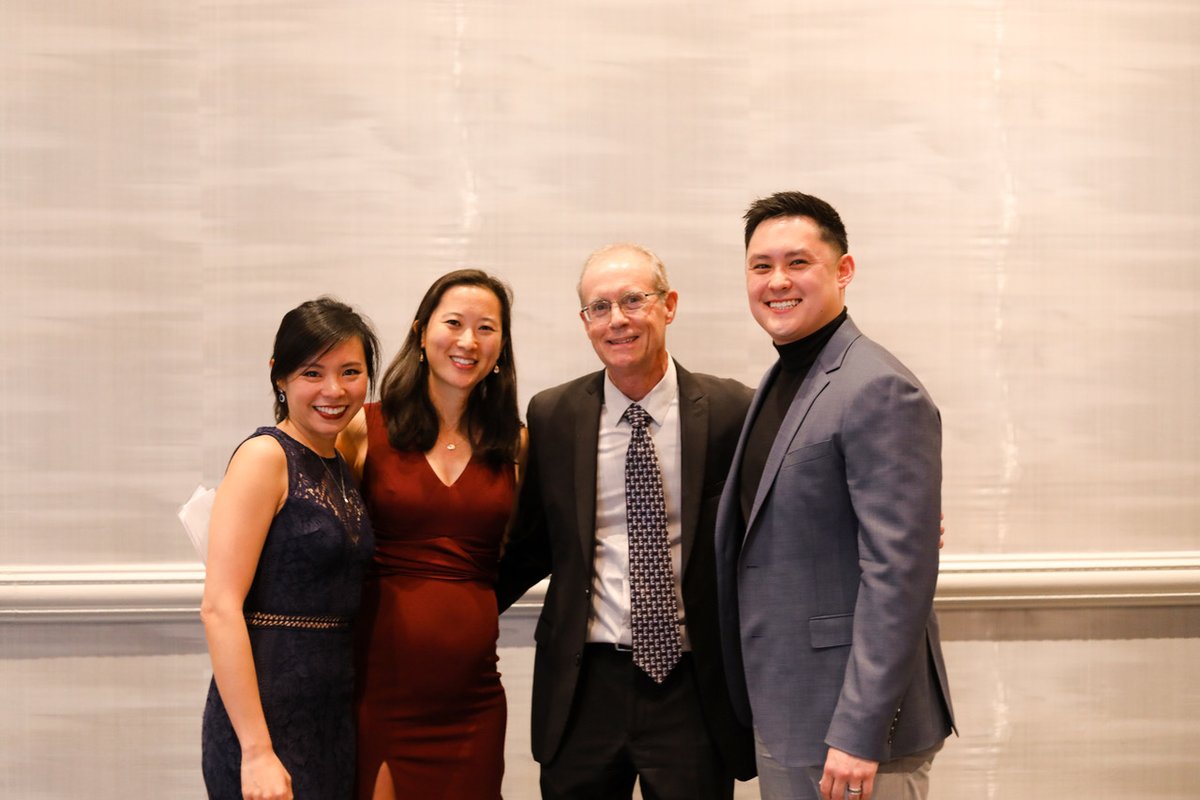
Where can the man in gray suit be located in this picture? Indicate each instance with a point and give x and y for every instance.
(827, 543)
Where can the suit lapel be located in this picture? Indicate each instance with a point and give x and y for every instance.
(829, 360)
(693, 438)
(728, 511)
(583, 432)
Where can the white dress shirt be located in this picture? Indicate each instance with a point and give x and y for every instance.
(610, 621)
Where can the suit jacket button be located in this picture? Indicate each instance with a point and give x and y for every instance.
(578, 659)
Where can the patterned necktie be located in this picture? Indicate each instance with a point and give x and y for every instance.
(654, 609)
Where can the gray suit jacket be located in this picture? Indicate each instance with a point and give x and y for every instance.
(555, 534)
(826, 591)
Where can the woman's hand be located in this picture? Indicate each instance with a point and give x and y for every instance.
(264, 777)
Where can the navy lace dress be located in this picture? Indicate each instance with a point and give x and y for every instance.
(299, 612)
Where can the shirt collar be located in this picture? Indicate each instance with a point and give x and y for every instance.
(656, 403)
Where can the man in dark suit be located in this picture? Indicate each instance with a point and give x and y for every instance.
(612, 703)
(827, 545)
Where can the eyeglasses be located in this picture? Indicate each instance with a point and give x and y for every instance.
(630, 303)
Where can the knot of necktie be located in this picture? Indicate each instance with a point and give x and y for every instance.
(637, 417)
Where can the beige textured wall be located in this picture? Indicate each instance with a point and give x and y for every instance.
(1020, 181)
(1022, 186)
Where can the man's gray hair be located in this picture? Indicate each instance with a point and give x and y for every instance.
(660, 270)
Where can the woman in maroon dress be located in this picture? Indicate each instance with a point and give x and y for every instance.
(437, 459)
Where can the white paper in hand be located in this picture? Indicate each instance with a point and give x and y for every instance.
(194, 515)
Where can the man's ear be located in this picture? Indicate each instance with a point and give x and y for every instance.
(670, 303)
(845, 271)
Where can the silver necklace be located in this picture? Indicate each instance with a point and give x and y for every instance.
(341, 483)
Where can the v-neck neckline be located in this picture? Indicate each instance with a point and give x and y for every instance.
(434, 472)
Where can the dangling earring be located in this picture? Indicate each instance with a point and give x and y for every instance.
(496, 369)
(282, 398)
(421, 357)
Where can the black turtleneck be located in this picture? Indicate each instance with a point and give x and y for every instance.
(795, 360)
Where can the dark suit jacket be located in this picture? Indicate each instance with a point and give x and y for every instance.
(827, 598)
(555, 534)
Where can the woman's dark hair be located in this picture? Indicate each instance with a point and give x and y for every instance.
(312, 329)
(492, 422)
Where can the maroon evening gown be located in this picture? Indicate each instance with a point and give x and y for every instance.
(429, 702)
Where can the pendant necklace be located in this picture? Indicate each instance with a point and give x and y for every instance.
(341, 483)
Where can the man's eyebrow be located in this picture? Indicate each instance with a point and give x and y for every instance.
(797, 251)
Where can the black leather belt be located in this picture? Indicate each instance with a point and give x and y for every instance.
(609, 647)
(623, 649)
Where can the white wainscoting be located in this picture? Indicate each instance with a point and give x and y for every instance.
(171, 591)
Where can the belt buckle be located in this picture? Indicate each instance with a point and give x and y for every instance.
(622, 648)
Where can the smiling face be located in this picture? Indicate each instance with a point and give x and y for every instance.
(632, 346)
(325, 394)
(795, 280)
(463, 339)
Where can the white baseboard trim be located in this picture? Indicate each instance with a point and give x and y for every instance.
(171, 592)
(101, 593)
(1069, 580)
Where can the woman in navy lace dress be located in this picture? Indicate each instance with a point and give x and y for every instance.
(289, 541)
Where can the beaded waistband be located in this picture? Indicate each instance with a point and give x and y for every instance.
(261, 619)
